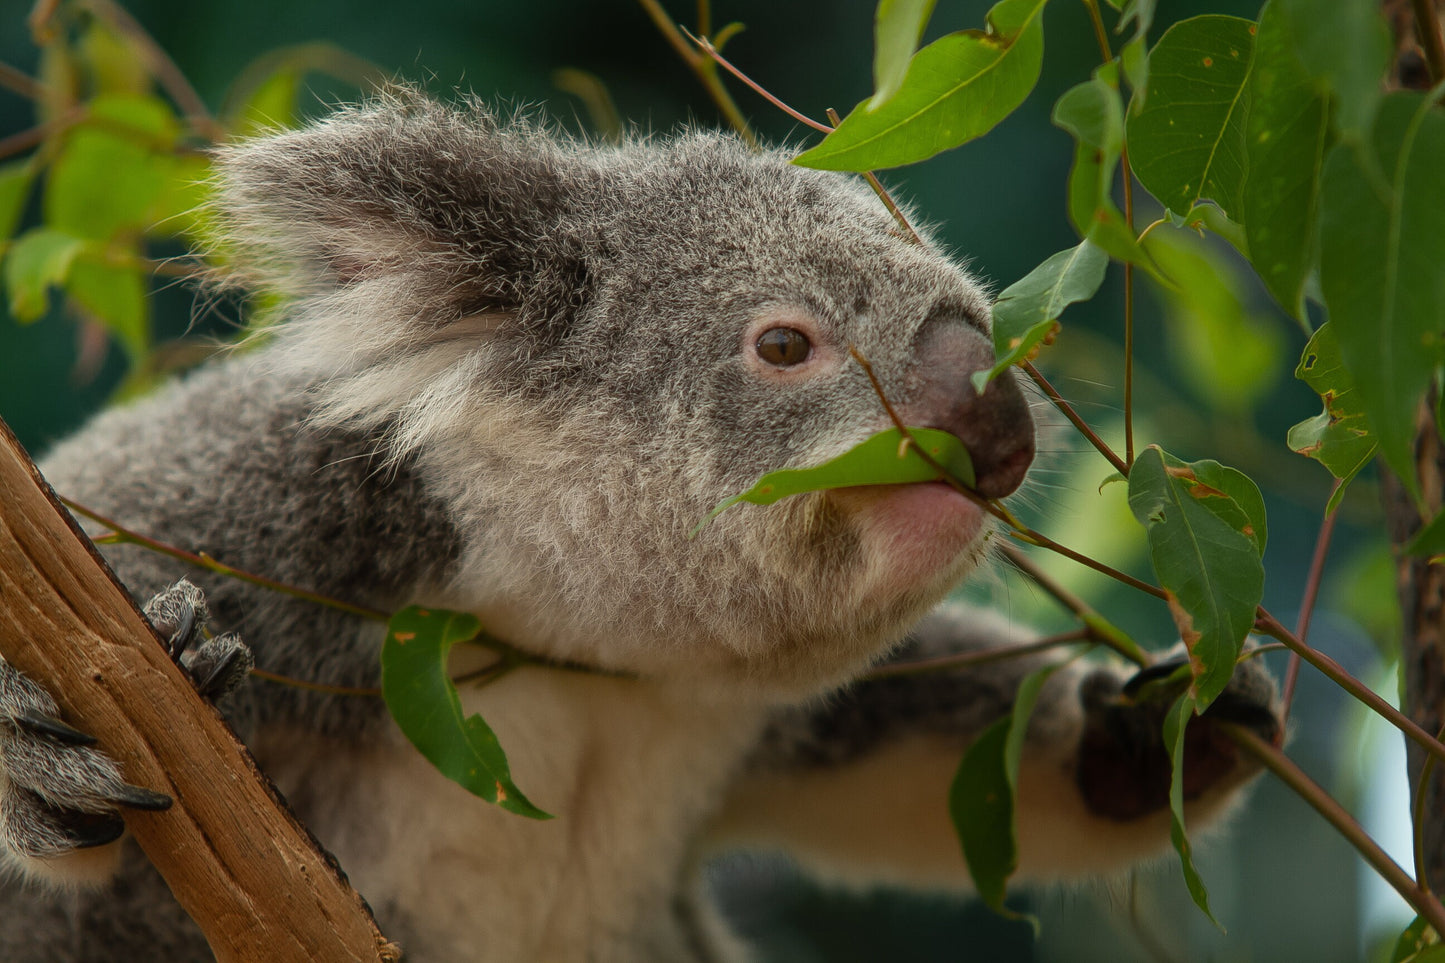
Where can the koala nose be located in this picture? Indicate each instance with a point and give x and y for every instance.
(995, 426)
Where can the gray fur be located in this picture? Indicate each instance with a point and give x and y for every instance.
(513, 376)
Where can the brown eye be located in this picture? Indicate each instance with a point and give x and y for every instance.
(784, 347)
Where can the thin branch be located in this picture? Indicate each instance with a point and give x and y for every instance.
(1099, 628)
(961, 660)
(705, 45)
(162, 67)
(1427, 23)
(1295, 778)
(1068, 410)
(23, 141)
(1311, 593)
(20, 82)
(121, 534)
(1100, 34)
(342, 690)
(699, 65)
(1271, 626)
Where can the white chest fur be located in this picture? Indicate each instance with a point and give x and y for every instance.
(630, 769)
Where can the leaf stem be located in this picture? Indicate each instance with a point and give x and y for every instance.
(121, 534)
(1295, 778)
(1311, 593)
(1427, 23)
(698, 64)
(960, 660)
(1098, 628)
(1119, 464)
(20, 82)
(1269, 625)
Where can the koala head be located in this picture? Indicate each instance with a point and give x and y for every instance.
(583, 348)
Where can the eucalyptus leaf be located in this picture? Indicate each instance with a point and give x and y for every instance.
(424, 702)
(1027, 312)
(1092, 113)
(1175, 725)
(1346, 46)
(1186, 140)
(1288, 134)
(882, 459)
(957, 88)
(1205, 547)
(1338, 437)
(981, 798)
(38, 260)
(102, 184)
(1381, 248)
(898, 26)
(15, 180)
(115, 295)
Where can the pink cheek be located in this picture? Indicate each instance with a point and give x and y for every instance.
(913, 533)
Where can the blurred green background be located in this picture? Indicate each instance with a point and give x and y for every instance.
(1285, 886)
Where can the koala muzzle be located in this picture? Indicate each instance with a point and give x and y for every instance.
(996, 426)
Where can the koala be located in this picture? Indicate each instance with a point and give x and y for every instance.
(515, 369)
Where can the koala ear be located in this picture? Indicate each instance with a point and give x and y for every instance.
(412, 209)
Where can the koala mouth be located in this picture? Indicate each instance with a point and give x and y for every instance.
(912, 534)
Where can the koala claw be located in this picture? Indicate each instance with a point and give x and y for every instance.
(1123, 764)
(216, 667)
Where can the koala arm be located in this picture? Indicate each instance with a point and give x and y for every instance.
(857, 788)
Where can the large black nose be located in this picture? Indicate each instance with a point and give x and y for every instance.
(996, 425)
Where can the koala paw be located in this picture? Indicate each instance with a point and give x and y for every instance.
(58, 793)
(1123, 764)
(216, 666)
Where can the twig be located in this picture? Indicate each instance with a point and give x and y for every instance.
(162, 67)
(883, 195)
(23, 141)
(1311, 593)
(343, 690)
(960, 660)
(706, 47)
(1295, 778)
(1068, 411)
(1271, 626)
(699, 65)
(20, 82)
(1427, 23)
(1099, 629)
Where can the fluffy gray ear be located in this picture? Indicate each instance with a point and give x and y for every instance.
(424, 212)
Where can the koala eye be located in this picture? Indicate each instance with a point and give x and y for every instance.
(783, 347)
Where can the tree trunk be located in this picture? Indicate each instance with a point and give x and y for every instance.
(236, 859)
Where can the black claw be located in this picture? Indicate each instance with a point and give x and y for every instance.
(88, 830)
(1153, 673)
(44, 725)
(215, 682)
(137, 798)
(185, 628)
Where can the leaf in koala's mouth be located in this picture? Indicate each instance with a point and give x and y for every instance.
(882, 459)
(424, 702)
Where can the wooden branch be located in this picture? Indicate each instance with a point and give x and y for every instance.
(237, 860)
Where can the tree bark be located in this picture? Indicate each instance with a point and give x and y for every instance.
(238, 861)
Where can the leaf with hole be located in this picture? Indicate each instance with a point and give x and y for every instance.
(1206, 529)
(1338, 437)
(1381, 248)
(957, 88)
(424, 702)
(882, 459)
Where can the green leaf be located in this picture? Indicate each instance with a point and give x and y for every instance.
(1381, 248)
(1419, 943)
(115, 295)
(1091, 112)
(1338, 437)
(882, 459)
(1175, 724)
(981, 799)
(115, 66)
(1229, 355)
(271, 105)
(1287, 137)
(1186, 141)
(38, 260)
(898, 26)
(424, 702)
(1134, 55)
(103, 183)
(1027, 312)
(15, 179)
(1344, 44)
(957, 88)
(1206, 532)
(1430, 540)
